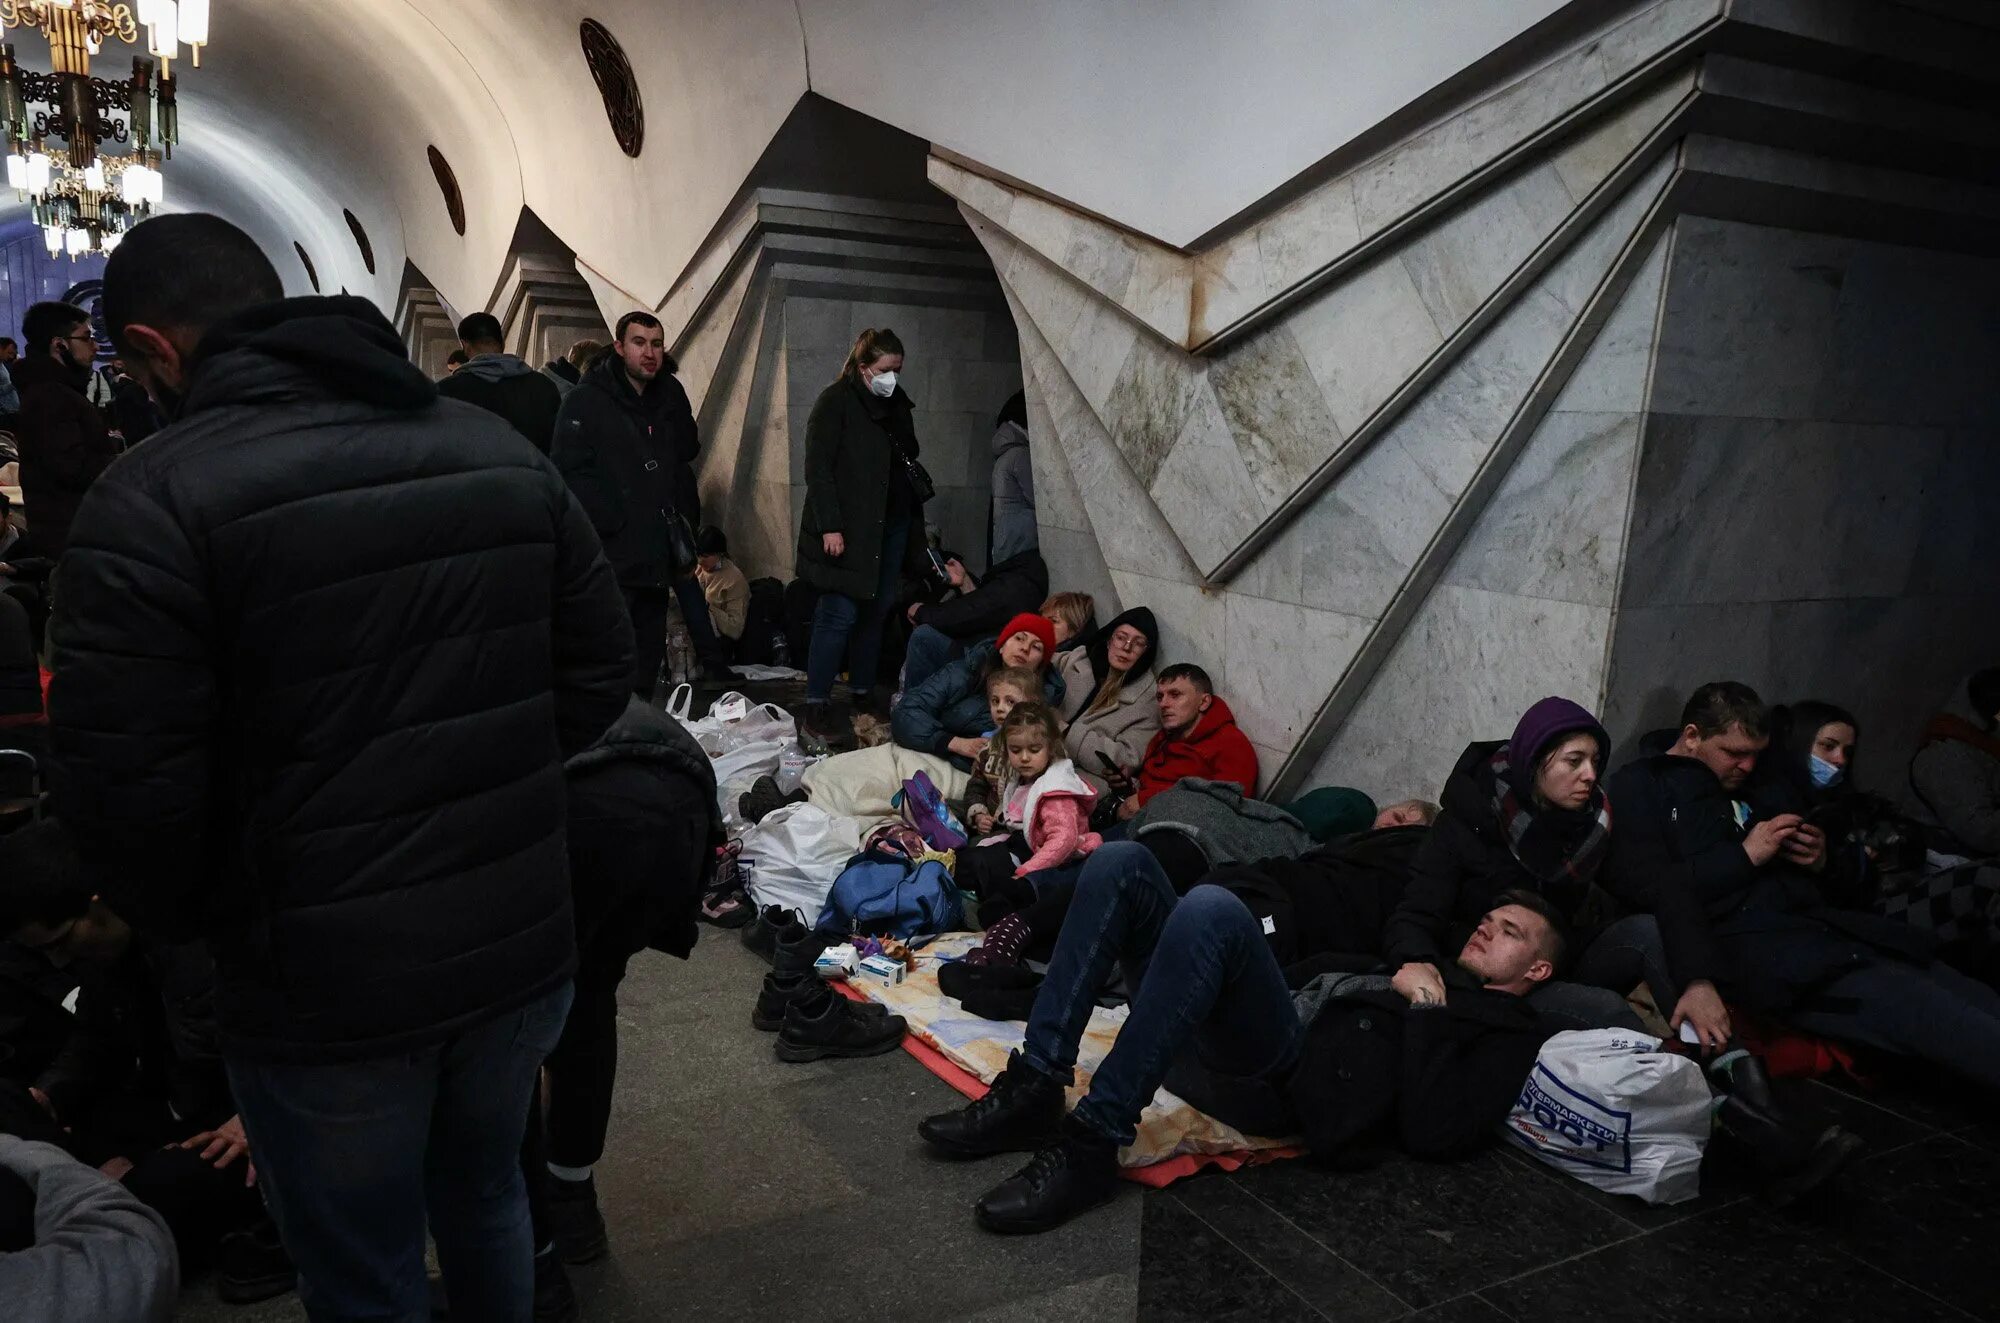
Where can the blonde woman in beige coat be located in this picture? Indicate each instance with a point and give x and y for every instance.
(1109, 708)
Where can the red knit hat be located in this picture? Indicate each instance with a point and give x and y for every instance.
(1029, 623)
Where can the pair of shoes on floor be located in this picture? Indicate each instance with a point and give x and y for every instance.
(764, 798)
(760, 935)
(252, 1265)
(781, 991)
(1073, 1171)
(819, 1022)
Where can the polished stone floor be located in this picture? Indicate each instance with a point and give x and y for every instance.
(742, 1188)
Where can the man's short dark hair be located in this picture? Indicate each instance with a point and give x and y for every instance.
(457, 357)
(631, 319)
(1984, 691)
(46, 321)
(187, 270)
(481, 328)
(1557, 946)
(7, 341)
(710, 542)
(1193, 674)
(1715, 707)
(40, 878)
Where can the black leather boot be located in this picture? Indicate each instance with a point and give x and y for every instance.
(1744, 1077)
(823, 728)
(1792, 1159)
(1021, 1113)
(797, 948)
(1072, 1176)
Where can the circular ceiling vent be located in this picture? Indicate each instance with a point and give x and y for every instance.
(615, 83)
(306, 258)
(361, 240)
(454, 201)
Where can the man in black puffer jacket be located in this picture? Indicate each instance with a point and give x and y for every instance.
(625, 439)
(322, 646)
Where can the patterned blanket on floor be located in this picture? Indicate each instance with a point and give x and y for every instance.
(1169, 1128)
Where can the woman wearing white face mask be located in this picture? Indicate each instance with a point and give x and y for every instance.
(860, 507)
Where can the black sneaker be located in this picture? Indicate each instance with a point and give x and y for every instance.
(1064, 1180)
(830, 1025)
(761, 934)
(555, 1299)
(252, 1265)
(762, 799)
(1021, 1113)
(781, 990)
(575, 1223)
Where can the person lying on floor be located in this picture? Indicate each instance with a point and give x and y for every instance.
(1769, 932)
(947, 715)
(1196, 824)
(941, 629)
(1354, 1062)
(1198, 736)
(1531, 814)
(139, 1091)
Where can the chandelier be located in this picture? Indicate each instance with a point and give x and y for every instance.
(86, 111)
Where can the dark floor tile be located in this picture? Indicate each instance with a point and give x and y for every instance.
(1883, 1127)
(1188, 1271)
(1737, 1262)
(1928, 1214)
(1725, 1178)
(1916, 1091)
(1429, 1232)
(1465, 1309)
(1336, 1289)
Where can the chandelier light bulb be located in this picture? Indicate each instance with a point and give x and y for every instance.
(17, 172)
(77, 242)
(194, 22)
(93, 177)
(109, 243)
(53, 235)
(166, 29)
(38, 172)
(149, 12)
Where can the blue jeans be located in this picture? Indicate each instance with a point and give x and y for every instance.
(352, 1155)
(1205, 976)
(930, 651)
(845, 628)
(1935, 1013)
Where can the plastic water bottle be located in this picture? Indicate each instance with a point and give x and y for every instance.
(792, 766)
(781, 647)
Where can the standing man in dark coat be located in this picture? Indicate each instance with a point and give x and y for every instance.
(625, 440)
(500, 382)
(1769, 933)
(60, 434)
(321, 647)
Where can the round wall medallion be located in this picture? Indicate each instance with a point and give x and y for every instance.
(454, 201)
(615, 83)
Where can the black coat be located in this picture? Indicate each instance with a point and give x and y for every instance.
(1018, 584)
(321, 648)
(1767, 937)
(1464, 866)
(853, 486)
(1376, 1073)
(63, 446)
(627, 458)
(527, 399)
(1331, 902)
(643, 831)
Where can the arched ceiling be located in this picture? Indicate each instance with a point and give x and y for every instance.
(1167, 122)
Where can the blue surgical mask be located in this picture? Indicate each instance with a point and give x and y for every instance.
(1824, 773)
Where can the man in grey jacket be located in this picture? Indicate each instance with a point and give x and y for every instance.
(1014, 529)
(97, 1255)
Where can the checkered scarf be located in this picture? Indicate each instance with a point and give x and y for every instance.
(1561, 848)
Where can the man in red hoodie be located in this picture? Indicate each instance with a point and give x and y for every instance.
(1198, 737)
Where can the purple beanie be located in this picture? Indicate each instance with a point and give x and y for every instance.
(1547, 721)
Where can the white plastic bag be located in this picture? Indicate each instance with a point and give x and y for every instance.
(737, 770)
(1609, 1108)
(733, 721)
(792, 857)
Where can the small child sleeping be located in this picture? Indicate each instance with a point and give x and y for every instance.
(1006, 689)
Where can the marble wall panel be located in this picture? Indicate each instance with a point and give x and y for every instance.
(1458, 263)
(1076, 565)
(1192, 620)
(1359, 539)
(1612, 376)
(1204, 487)
(1588, 158)
(1958, 550)
(1763, 509)
(1151, 399)
(1469, 664)
(1556, 526)
(1282, 660)
(1274, 410)
(1364, 336)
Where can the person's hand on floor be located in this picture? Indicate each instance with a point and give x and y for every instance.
(1701, 1006)
(1768, 837)
(1420, 984)
(223, 1145)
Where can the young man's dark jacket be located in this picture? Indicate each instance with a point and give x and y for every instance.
(626, 455)
(502, 384)
(1014, 586)
(1377, 1072)
(320, 650)
(1327, 908)
(63, 446)
(1768, 936)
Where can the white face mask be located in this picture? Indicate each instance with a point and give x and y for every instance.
(884, 384)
